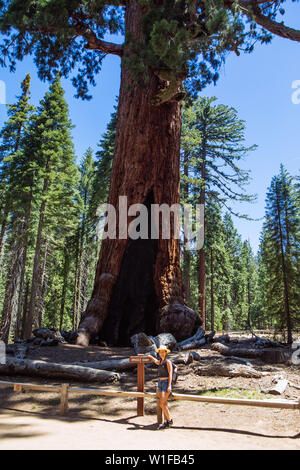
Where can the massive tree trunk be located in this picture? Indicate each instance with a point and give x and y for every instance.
(138, 285)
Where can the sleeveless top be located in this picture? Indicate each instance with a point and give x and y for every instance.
(163, 370)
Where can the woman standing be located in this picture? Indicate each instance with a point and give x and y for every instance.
(164, 383)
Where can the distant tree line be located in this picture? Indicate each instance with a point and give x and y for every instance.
(48, 241)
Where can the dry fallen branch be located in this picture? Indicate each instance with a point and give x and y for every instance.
(238, 352)
(280, 385)
(232, 370)
(111, 364)
(195, 341)
(272, 356)
(54, 370)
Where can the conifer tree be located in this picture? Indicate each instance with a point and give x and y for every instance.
(52, 147)
(103, 165)
(213, 139)
(280, 252)
(17, 183)
(84, 243)
(250, 278)
(218, 267)
(235, 311)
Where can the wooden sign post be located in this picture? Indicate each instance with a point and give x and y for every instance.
(140, 360)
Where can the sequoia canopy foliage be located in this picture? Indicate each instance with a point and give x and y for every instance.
(183, 40)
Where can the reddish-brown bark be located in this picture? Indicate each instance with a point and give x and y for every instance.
(138, 285)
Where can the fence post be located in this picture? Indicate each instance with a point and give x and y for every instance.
(64, 399)
(158, 409)
(140, 387)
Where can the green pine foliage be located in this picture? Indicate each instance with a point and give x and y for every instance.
(16, 181)
(103, 164)
(182, 40)
(213, 138)
(50, 141)
(212, 147)
(279, 254)
(48, 214)
(39, 176)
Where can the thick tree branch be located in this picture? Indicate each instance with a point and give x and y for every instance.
(103, 46)
(82, 29)
(280, 29)
(254, 13)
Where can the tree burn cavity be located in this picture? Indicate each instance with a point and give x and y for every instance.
(134, 305)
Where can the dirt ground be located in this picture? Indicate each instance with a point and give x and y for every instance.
(30, 420)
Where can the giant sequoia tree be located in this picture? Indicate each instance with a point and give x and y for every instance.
(167, 43)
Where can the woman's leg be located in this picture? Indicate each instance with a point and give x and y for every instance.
(163, 403)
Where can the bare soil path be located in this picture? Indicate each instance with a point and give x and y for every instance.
(30, 420)
(32, 431)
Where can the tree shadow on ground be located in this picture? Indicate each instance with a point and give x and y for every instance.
(131, 426)
(139, 427)
(9, 431)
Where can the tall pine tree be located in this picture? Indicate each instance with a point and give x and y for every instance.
(280, 253)
(51, 144)
(213, 145)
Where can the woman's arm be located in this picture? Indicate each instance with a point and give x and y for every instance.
(170, 370)
(154, 360)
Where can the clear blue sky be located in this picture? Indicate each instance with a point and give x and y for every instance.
(258, 86)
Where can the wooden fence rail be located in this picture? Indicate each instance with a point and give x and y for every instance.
(65, 390)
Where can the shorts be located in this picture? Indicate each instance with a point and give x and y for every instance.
(163, 385)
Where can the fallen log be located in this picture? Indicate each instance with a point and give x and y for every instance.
(221, 339)
(241, 360)
(272, 356)
(18, 350)
(232, 370)
(280, 385)
(110, 364)
(28, 367)
(294, 385)
(193, 344)
(209, 337)
(186, 359)
(49, 334)
(265, 342)
(196, 356)
(194, 341)
(238, 352)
